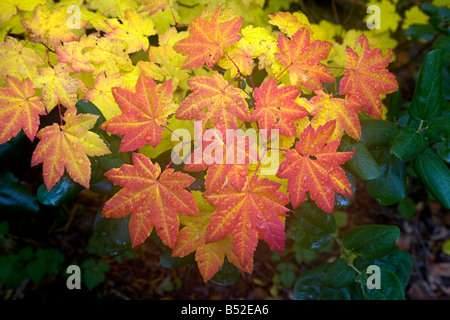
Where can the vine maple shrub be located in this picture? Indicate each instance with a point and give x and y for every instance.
(205, 73)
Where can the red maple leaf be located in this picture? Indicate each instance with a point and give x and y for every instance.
(207, 40)
(144, 113)
(366, 77)
(153, 199)
(302, 59)
(209, 256)
(226, 158)
(313, 166)
(275, 107)
(245, 214)
(224, 103)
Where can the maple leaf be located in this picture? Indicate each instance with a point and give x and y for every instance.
(156, 198)
(58, 86)
(302, 57)
(17, 60)
(109, 55)
(313, 166)
(68, 146)
(74, 53)
(19, 109)
(275, 107)
(101, 95)
(8, 8)
(144, 113)
(153, 6)
(165, 62)
(254, 211)
(49, 26)
(290, 23)
(326, 108)
(207, 40)
(224, 103)
(240, 55)
(209, 256)
(366, 77)
(113, 8)
(229, 163)
(134, 31)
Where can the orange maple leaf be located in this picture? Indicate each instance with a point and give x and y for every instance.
(228, 164)
(207, 40)
(144, 113)
(153, 199)
(223, 102)
(192, 237)
(275, 107)
(254, 211)
(68, 146)
(19, 109)
(313, 166)
(302, 59)
(366, 77)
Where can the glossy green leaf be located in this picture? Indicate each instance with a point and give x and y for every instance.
(398, 261)
(421, 31)
(372, 241)
(313, 227)
(428, 100)
(65, 190)
(406, 208)
(339, 274)
(311, 285)
(391, 286)
(395, 104)
(13, 149)
(435, 175)
(438, 128)
(227, 274)
(408, 143)
(15, 197)
(362, 164)
(111, 235)
(444, 45)
(390, 187)
(167, 261)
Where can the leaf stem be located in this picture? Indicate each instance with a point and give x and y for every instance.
(60, 115)
(276, 78)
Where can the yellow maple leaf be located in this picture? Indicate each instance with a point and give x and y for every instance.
(414, 16)
(165, 63)
(58, 86)
(389, 18)
(134, 31)
(101, 94)
(290, 23)
(109, 55)
(8, 8)
(112, 8)
(17, 60)
(49, 26)
(68, 147)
